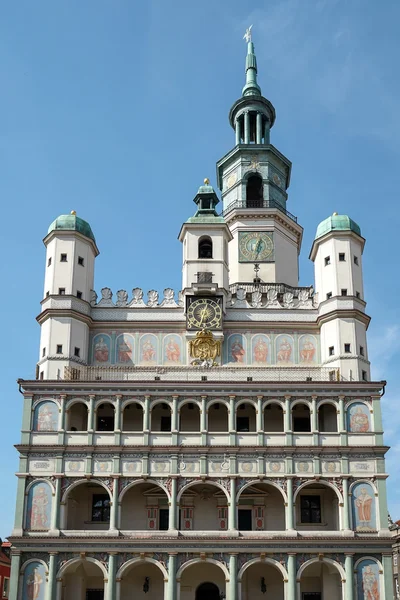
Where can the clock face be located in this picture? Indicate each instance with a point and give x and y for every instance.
(204, 313)
(256, 246)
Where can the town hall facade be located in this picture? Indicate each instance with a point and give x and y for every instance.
(222, 441)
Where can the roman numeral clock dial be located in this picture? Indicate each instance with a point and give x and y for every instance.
(204, 313)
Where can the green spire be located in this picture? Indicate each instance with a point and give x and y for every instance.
(251, 88)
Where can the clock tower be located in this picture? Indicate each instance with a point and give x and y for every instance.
(253, 178)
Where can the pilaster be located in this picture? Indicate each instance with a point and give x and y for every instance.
(14, 576)
(27, 419)
(55, 509)
(314, 420)
(387, 563)
(20, 506)
(51, 584)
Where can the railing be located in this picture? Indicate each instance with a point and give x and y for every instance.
(281, 288)
(196, 374)
(258, 204)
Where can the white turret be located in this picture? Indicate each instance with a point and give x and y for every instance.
(69, 280)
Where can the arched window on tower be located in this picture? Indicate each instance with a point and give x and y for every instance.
(205, 247)
(254, 192)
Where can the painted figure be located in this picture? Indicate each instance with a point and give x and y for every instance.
(46, 420)
(172, 350)
(284, 352)
(124, 351)
(38, 516)
(370, 584)
(101, 351)
(260, 350)
(34, 584)
(359, 421)
(237, 351)
(148, 351)
(307, 352)
(363, 503)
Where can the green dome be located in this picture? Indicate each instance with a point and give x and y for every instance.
(72, 223)
(337, 223)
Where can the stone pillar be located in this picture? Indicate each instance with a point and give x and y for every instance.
(171, 587)
(342, 422)
(51, 584)
(20, 507)
(289, 508)
(146, 420)
(14, 577)
(62, 410)
(59, 586)
(118, 589)
(387, 563)
(174, 420)
(291, 589)
(259, 418)
(117, 420)
(27, 419)
(114, 505)
(247, 127)
(232, 420)
(112, 569)
(266, 133)
(203, 420)
(237, 132)
(376, 418)
(314, 420)
(232, 505)
(349, 568)
(346, 504)
(55, 509)
(173, 504)
(259, 128)
(287, 426)
(91, 414)
(233, 595)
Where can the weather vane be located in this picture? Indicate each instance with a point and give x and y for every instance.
(247, 35)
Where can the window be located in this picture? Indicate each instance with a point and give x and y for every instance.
(356, 260)
(100, 508)
(61, 291)
(329, 295)
(347, 348)
(364, 376)
(105, 424)
(47, 294)
(6, 587)
(361, 350)
(344, 292)
(327, 260)
(310, 509)
(332, 376)
(59, 349)
(44, 352)
(49, 261)
(77, 352)
(165, 423)
(331, 350)
(242, 423)
(79, 294)
(205, 247)
(358, 295)
(42, 375)
(163, 514)
(342, 257)
(254, 192)
(81, 261)
(245, 519)
(63, 258)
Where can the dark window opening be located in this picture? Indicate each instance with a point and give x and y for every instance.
(49, 262)
(242, 424)
(254, 192)
(357, 294)
(63, 258)
(101, 508)
(165, 423)
(41, 374)
(205, 247)
(59, 349)
(331, 350)
(310, 509)
(344, 292)
(105, 424)
(311, 596)
(327, 260)
(329, 295)
(301, 424)
(356, 260)
(47, 294)
(77, 351)
(61, 291)
(364, 376)
(79, 294)
(361, 350)
(81, 261)
(347, 348)
(44, 352)
(163, 519)
(342, 257)
(245, 519)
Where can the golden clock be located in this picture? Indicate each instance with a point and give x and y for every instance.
(204, 313)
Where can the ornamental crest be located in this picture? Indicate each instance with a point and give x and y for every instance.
(204, 349)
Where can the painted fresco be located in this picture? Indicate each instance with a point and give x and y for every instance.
(38, 508)
(148, 350)
(307, 350)
(358, 418)
(125, 349)
(101, 349)
(363, 507)
(45, 417)
(236, 349)
(260, 350)
(172, 350)
(368, 580)
(34, 582)
(284, 350)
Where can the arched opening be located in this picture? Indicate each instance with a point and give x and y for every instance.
(261, 507)
(132, 417)
(142, 580)
(196, 575)
(77, 417)
(105, 417)
(327, 418)
(317, 508)
(83, 579)
(320, 580)
(88, 508)
(203, 507)
(261, 581)
(189, 417)
(254, 192)
(301, 421)
(144, 507)
(273, 418)
(245, 418)
(161, 417)
(218, 417)
(205, 247)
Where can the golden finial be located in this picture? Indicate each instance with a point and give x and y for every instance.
(73, 212)
(335, 214)
(207, 181)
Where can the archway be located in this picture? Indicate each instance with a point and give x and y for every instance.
(327, 418)
(205, 247)
(317, 508)
(254, 192)
(208, 591)
(203, 507)
(218, 418)
(245, 417)
(142, 579)
(105, 415)
(261, 507)
(260, 581)
(87, 507)
(273, 418)
(144, 507)
(301, 421)
(161, 417)
(77, 417)
(189, 417)
(132, 417)
(82, 579)
(321, 579)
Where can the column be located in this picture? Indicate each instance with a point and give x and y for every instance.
(349, 568)
(111, 583)
(346, 504)
(233, 577)
(171, 587)
(14, 577)
(237, 132)
(314, 420)
(232, 505)
(377, 420)
(232, 420)
(203, 420)
(174, 420)
(118, 589)
(259, 128)
(291, 590)
(61, 430)
(117, 419)
(114, 505)
(259, 418)
(173, 504)
(289, 508)
(287, 422)
(146, 419)
(91, 419)
(20, 505)
(342, 422)
(55, 509)
(51, 585)
(27, 419)
(266, 133)
(59, 586)
(247, 127)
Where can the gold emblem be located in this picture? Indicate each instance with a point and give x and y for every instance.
(204, 349)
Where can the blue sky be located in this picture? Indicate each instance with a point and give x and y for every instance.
(118, 109)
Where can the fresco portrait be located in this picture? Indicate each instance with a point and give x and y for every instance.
(260, 350)
(358, 418)
(101, 349)
(38, 507)
(368, 580)
(236, 349)
(308, 350)
(125, 347)
(148, 349)
(284, 350)
(363, 507)
(34, 583)
(45, 417)
(172, 350)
